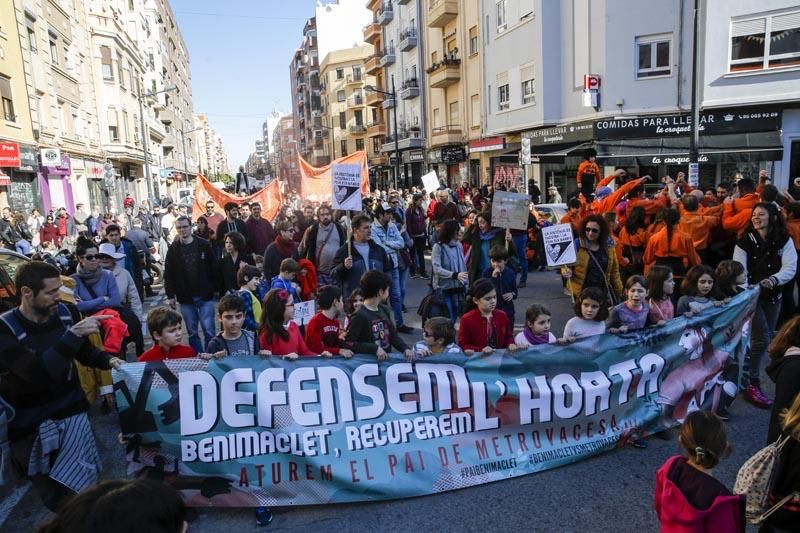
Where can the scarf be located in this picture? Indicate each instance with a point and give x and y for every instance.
(286, 248)
(489, 235)
(534, 339)
(89, 278)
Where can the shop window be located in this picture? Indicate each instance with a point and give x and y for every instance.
(8, 101)
(770, 41)
(653, 56)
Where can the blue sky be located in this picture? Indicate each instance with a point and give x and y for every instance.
(239, 53)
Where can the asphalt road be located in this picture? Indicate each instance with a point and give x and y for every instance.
(610, 492)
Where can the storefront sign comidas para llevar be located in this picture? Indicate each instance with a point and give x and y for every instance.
(715, 122)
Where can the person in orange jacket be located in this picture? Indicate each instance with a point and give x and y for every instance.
(588, 173)
(606, 199)
(617, 175)
(636, 198)
(736, 211)
(574, 215)
(671, 247)
(696, 224)
(631, 244)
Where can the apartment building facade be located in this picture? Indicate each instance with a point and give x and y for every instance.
(397, 63)
(344, 122)
(452, 57)
(286, 153)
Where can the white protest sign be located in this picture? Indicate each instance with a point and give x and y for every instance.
(346, 192)
(559, 245)
(430, 181)
(303, 312)
(510, 210)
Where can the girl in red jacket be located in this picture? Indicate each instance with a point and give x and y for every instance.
(277, 333)
(687, 496)
(484, 328)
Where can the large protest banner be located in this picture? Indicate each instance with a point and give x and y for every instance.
(315, 183)
(269, 198)
(264, 431)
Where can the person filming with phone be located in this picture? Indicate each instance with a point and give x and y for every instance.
(40, 393)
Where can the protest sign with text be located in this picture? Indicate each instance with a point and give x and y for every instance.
(510, 210)
(251, 431)
(559, 245)
(346, 184)
(431, 182)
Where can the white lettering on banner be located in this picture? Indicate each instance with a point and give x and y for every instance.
(681, 160)
(326, 395)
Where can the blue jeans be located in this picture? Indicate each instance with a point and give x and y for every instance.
(23, 247)
(404, 273)
(202, 312)
(453, 303)
(521, 244)
(765, 319)
(395, 297)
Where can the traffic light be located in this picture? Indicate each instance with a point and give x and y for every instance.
(526, 151)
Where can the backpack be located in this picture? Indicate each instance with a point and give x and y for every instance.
(755, 479)
(7, 413)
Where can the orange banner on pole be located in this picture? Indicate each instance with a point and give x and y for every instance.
(316, 183)
(269, 198)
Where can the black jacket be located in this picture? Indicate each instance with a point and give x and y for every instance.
(350, 278)
(38, 377)
(785, 372)
(222, 230)
(176, 284)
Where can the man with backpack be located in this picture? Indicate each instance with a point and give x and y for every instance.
(51, 440)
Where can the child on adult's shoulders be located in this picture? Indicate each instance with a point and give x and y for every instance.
(438, 336)
(322, 331)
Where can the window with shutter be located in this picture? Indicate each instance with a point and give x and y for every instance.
(769, 41)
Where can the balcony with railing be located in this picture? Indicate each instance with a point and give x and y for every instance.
(355, 101)
(375, 129)
(407, 138)
(408, 39)
(409, 89)
(357, 128)
(388, 102)
(449, 134)
(440, 12)
(445, 72)
(374, 99)
(373, 64)
(372, 31)
(388, 57)
(386, 14)
(355, 79)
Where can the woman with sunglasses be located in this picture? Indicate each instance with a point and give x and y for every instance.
(95, 287)
(48, 234)
(284, 246)
(597, 264)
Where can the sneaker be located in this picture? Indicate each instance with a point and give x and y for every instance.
(263, 516)
(638, 443)
(405, 329)
(522, 285)
(424, 276)
(414, 276)
(755, 395)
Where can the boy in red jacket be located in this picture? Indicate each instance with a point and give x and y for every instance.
(322, 331)
(166, 329)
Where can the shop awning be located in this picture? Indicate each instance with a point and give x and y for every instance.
(733, 148)
(557, 153)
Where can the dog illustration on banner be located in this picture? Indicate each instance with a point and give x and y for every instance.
(708, 380)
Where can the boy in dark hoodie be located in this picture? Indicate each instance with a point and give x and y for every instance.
(687, 496)
(371, 328)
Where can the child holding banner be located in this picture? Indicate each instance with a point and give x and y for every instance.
(537, 328)
(483, 327)
(633, 312)
(687, 496)
(322, 331)
(591, 312)
(277, 333)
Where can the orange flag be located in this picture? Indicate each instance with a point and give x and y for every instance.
(316, 183)
(269, 198)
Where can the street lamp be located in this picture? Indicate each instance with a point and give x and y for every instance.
(146, 138)
(393, 94)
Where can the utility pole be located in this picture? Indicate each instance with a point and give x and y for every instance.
(396, 138)
(151, 193)
(694, 165)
